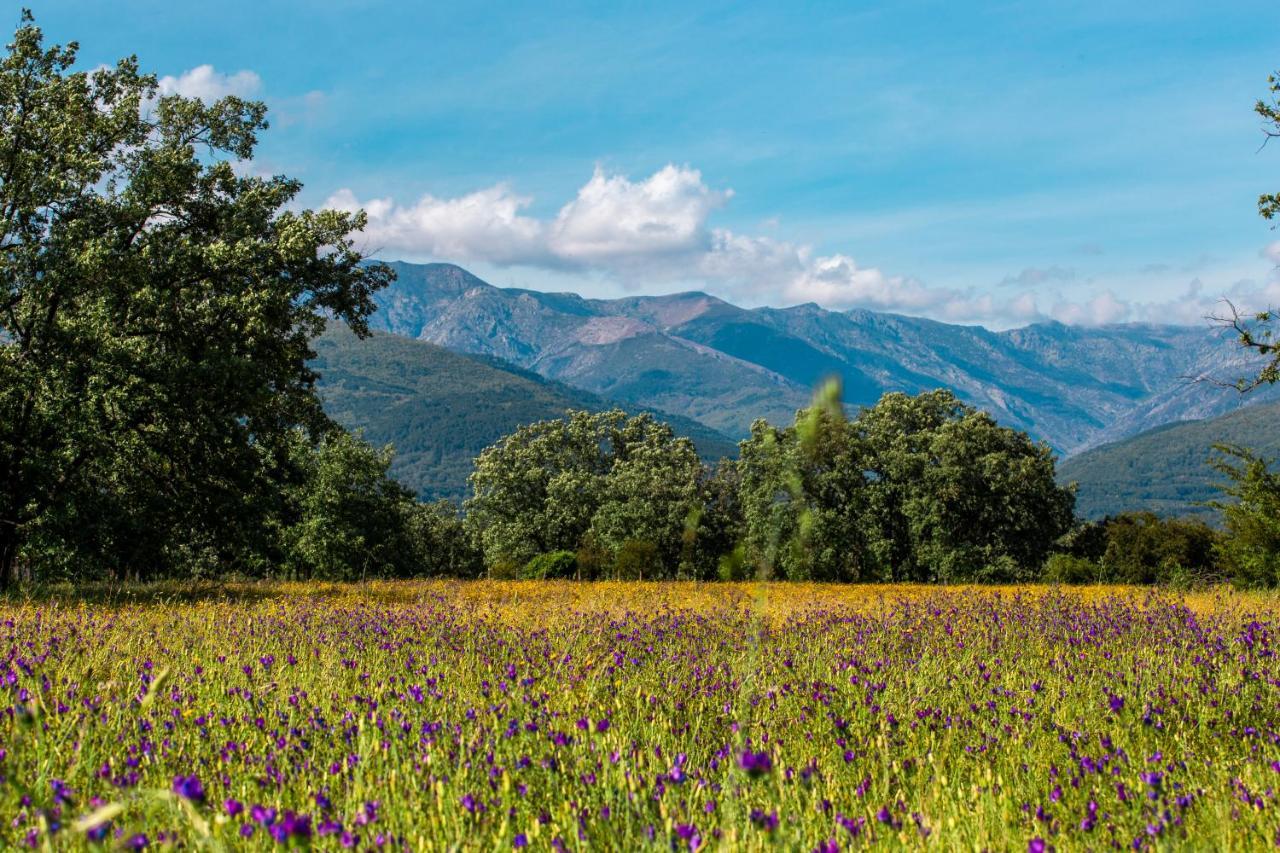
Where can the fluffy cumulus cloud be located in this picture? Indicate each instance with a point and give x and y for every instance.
(614, 221)
(657, 230)
(208, 84)
(483, 226)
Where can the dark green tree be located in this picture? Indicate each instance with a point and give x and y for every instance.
(1250, 548)
(917, 488)
(438, 542)
(1143, 548)
(804, 496)
(351, 519)
(156, 306)
(954, 495)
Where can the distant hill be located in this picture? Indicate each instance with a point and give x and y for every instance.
(441, 408)
(699, 356)
(1164, 470)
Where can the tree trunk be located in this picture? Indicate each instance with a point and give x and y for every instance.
(8, 555)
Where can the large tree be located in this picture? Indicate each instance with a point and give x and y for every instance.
(156, 307)
(586, 480)
(955, 495)
(804, 494)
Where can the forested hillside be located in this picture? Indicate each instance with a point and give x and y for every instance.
(1166, 470)
(441, 408)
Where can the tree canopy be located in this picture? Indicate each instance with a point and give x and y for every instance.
(585, 480)
(156, 308)
(914, 488)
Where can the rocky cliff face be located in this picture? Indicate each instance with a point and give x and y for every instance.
(696, 355)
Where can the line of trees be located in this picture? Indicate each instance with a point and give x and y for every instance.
(915, 488)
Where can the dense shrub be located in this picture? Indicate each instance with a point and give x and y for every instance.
(553, 564)
(1070, 569)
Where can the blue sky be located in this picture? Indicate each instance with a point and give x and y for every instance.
(993, 163)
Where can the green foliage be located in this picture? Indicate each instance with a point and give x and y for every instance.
(1258, 333)
(637, 560)
(913, 488)
(1069, 569)
(592, 561)
(156, 305)
(1087, 540)
(439, 542)
(1250, 550)
(556, 564)
(351, 516)
(650, 494)
(1269, 203)
(598, 479)
(1143, 548)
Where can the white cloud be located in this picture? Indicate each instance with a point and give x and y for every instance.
(483, 226)
(208, 84)
(1100, 310)
(616, 221)
(655, 231)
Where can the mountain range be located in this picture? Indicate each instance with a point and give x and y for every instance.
(700, 357)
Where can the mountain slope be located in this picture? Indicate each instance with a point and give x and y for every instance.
(440, 408)
(1165, 470)
(696, 355)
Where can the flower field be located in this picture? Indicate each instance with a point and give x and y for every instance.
(495, 716)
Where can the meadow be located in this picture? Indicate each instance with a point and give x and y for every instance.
(619, 716)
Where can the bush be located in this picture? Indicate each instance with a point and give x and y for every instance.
(635, 559)
(1143, 548)
(506, 570)
(1087, 540)
(553, 564)
(1070, 569)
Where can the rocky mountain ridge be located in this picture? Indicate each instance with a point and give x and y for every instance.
(696, 355)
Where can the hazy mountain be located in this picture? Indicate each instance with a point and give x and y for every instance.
(696, 355)
(441, 408)
(1164, 470)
